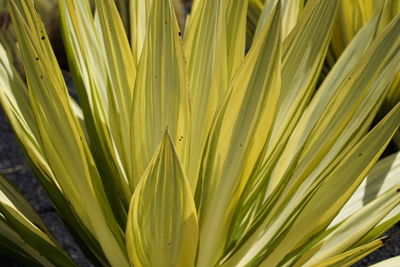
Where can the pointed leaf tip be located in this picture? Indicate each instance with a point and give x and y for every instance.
(162, 227)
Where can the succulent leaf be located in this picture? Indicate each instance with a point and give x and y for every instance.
(162, 223)
(251, 136)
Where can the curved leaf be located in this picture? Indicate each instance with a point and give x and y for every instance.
(61, 137)
(205, 47)
(162, 223)
(21, 217)
(244, 121)
(161, 96)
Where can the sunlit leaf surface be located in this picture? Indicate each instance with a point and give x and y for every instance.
(249, 133)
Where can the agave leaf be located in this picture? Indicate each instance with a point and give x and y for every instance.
(62, 138)
(235, 34)
(303, 53)
(12, 244)
(76, 108)
(271, 161)
(393, 95)
(139, 22)
(13, 204)
(20, 216)
(310, 213)
(123, 10)
(325, 203)
(139, 11)
(121, 76)
(302, 192)
(261, 183)
(352, 128)
(291, 11)
(244, 119)
(391, 9)
(353, 228)
(395, 261)
(125, 7)
(205, 47)
(341, 116)
(87, 57)
(382, 227)
(351, 16)
(81, 34)
(304, 50)
(382, 177)
(352, 256)
(161, 95)
(224, 22)
(139, 17)
(15, 101)
(49, 15)
(255, 9)
(162, 223)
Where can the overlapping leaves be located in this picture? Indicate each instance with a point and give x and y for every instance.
(262, 153)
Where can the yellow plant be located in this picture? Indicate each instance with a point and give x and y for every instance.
(352, 15)
(185, 150)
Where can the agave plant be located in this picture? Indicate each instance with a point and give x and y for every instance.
(187, 149)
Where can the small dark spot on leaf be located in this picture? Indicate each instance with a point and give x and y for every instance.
(41, 77)
(37, 58)
(166, 22)
(42, 38)
(179, 33)
(398, 190)
(360, 154)
(241, 145)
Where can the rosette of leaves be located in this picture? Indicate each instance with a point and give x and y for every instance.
(186, 150)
